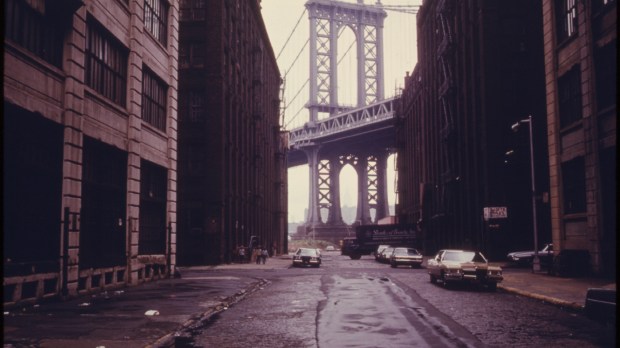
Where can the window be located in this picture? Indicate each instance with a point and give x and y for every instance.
(605, 59)
(154, 95)
(196, 161)
(569, 91)
(156, 19)
(192, 10)
(32, 178)
(196, 107)
(104, 197)
(153, 186)
(184, 54)
(598, 5)
(191, 55)
(574, 186)
(192, 106)
(566, 19)
(106, 64)
(33, 31)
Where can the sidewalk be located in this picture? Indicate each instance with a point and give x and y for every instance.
(565, 292)
(162, 313)
(153, 314)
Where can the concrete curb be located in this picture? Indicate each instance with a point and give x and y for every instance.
(199, 320)
(561, 303)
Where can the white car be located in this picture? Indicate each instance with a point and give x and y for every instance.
(330, 248)
(463, 266)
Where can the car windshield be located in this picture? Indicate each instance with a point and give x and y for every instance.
(405, 251)
(306, 252)
(460, 256)
(387, 250)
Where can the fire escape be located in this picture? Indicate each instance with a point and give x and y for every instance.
(447, 98)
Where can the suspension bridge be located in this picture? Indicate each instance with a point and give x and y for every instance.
(334, 106)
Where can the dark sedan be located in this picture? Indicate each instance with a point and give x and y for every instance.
(405, 256)
(307, 257)
(545, 255)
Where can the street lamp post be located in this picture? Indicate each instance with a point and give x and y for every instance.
(515, 127)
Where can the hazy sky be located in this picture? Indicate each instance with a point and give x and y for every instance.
(400, 52)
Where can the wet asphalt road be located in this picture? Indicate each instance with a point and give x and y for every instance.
(361, 303)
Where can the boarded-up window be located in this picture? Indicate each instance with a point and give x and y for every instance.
(153, 188)
(104, 192)
(569, 90)
(574, 186)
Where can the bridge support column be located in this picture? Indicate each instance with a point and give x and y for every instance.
(361, 70)
(363, 206)
(313, 216)
(333, 67)
(335, 213)
(383, 208)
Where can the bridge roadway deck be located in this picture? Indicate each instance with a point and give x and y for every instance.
(358, 131)
(380, 136)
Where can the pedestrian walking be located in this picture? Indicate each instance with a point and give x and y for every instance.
(256, 254)
(263, 255)
(241, 252)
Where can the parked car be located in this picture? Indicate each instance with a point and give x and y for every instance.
(330, 248)
(463, 266)
(307, 257)
(405, 256)
(384, 255)
(380, 248)
(545, 255)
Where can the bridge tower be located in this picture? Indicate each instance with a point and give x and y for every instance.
(366, 21)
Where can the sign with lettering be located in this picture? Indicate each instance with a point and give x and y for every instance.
(495, 212)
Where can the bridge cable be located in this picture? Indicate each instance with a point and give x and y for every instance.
(296, 95)
(292, 32)
(294, 116)
(308, 80)
(298, 55)
(290, 101)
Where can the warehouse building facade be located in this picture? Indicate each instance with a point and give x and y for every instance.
(90, 145)
(581, 79)
(232, 151)
(480, 70)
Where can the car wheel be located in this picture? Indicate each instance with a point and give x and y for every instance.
(433, 279)
(393, 265)
(443, 280)
(492, 286)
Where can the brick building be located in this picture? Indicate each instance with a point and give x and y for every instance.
(90, 133)
(480, 70)
(580, 42)
(232, 165)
